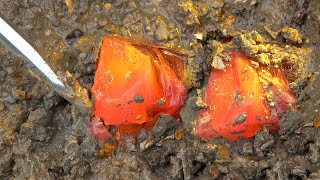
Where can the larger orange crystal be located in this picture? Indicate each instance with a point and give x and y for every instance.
(135, 82)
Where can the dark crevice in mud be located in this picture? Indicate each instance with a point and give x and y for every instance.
(56, 172)
(73, 37)
(199, 168)
(10, 172)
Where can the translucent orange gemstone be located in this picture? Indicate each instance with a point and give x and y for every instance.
(237, 101)
(136, 82)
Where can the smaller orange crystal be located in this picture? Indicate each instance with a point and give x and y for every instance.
(237, 100)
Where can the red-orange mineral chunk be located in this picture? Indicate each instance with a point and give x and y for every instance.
(134, 82)
(237, 101)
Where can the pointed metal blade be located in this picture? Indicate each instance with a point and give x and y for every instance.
(18, 43)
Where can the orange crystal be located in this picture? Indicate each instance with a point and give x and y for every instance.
(136, 82)
(237, 103)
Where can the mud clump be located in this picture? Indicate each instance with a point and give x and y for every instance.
(164, 123)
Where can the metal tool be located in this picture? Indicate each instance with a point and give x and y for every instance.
(17, 43)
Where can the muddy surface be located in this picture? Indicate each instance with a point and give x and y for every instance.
(45, 137)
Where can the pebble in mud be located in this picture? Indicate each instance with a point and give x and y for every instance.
(72, 145)
(314, 152)
(291, 35)
(34, 132)
(34, 127)
(247, 168)
(296, 144)
(143, 135)
(199, 102)
(22, 146)
(263, 141)
(161, 32)
(189, 15)
(290, 122)
(164, 124)
(158, 158)
(255, 46)
(39, 116)
(217, 63)
(247, 148)
(299, 171)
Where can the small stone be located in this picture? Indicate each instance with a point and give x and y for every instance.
(161, 32)
(290, 122)
(82, 56)
(38, 116)
(217, 63)
(299, 171)
(139, 117)
(223, 169)
(164, 124)
(199, 102)
(269, 97)
(262, 142)
(216, 46)
(106, 151)
(296, 144)
(240, 119)
(198, 36)
(291, 35)
(70, 6)
(179, 134)
(107, 6)
(22, 146)
(19, 94)
(253, 2)
(40, 133)
(142, 135)
(314, 153)
(247, 148)
(316, 122)
(257, 37)
(48, 32)
(315, 175)
(161, 101)
(213, 172)
(138, 98)
(217, 3)
(210, 150)
(223, 153)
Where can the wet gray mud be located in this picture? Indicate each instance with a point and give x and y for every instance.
(45, 137)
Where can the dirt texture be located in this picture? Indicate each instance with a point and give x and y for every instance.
(45, 137)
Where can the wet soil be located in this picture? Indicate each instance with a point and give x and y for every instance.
(45, 137)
